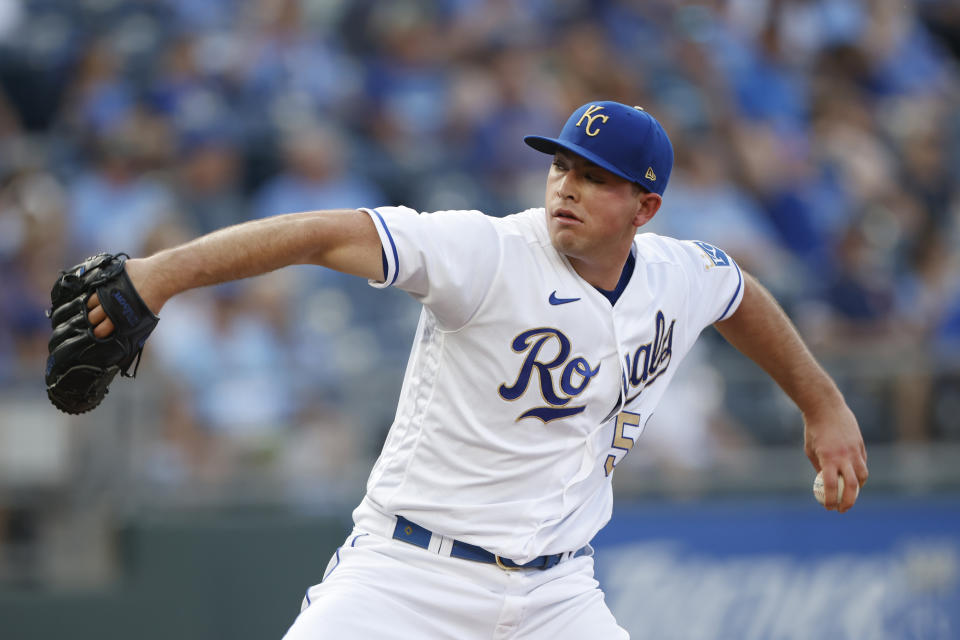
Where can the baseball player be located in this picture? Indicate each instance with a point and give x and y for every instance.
(545, 341)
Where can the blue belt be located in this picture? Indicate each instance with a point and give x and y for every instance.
(418, 536)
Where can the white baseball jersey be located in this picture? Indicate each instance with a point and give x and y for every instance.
(525, 387)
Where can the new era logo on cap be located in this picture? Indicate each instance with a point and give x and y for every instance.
(624, 140)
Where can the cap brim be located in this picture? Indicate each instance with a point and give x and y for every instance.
(550, 145)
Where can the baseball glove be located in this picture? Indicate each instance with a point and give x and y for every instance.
(81, 366)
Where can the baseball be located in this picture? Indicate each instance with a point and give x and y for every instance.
(820, 494)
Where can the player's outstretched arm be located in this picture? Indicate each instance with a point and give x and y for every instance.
(832, 440)
(345, 240)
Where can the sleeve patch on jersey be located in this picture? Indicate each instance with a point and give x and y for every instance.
(717, 256)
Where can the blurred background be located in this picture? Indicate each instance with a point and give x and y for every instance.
(818, 142)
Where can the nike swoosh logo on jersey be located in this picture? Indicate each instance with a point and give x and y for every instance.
(554, 300)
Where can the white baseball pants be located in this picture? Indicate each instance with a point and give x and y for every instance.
(379, 588)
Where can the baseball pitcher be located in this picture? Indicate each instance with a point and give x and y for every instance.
(545, 342)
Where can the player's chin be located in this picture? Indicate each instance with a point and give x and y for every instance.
(564, 240)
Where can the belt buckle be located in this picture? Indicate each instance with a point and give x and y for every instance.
(503, 566)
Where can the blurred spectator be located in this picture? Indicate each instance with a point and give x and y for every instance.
(861, 293)
(114, 203)
(240, 384)
(194, 95)
(406, 75)
(318, 173)
(293, 67)
(904, 59)
(508, 114)
(706, 204)
(942, 18)
(34, 236)
(208, 183)
(99, 97)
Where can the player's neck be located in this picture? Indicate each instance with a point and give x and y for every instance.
(603, 273)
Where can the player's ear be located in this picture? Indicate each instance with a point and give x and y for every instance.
(647, 206)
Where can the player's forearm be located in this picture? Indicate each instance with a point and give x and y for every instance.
(762, 331)
(345, 240)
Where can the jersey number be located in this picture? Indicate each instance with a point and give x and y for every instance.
(627, 423)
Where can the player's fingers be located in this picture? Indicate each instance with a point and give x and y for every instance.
(851, 489)
(860, 467)
(103, 329)
(830, 474)
(102, 324)
(96, 315)
(813, 458)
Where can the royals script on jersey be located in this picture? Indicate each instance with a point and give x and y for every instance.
(525, 387)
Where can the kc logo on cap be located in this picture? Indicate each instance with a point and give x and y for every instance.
(633, 145)
(589, 116)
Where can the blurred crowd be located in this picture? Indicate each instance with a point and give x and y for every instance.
(818, 141)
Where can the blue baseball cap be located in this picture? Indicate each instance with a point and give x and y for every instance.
(624, 140)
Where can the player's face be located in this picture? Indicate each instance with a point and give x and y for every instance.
(593, 214)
